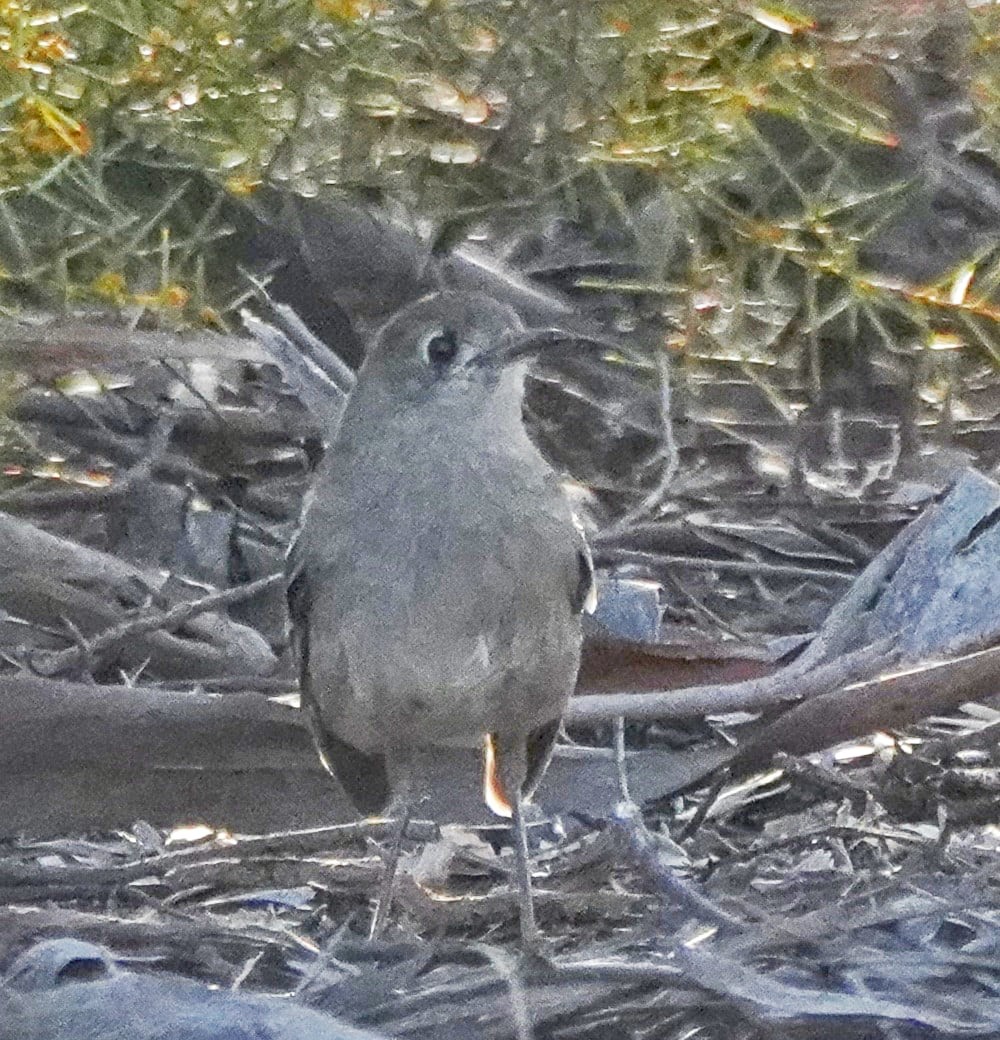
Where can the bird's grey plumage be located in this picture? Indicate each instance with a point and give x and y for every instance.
(438, 576)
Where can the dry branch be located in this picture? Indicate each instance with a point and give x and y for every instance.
(112, 639)
(44, 577)
(75, 342)
(784, 688)
(922, 607)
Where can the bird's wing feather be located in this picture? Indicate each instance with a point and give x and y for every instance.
(541, 743)
(584, 598)
(364, 777)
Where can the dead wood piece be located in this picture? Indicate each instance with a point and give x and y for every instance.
(79, 757)
(320, 378)
(112, 639)
(644, 851)
(791, 684)
(773, 999)
(203, 865)
(63, 989)
(235, 874)
(887, 702)
(71, 343)
(245, 430)
(147, 931)
(36, 499)
(930, 588)
(131, 454)
(437, 908)
(44, 577)
(452, 999)
(918, 608)
(755, 568)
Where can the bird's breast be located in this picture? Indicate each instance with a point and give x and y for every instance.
(446, 611)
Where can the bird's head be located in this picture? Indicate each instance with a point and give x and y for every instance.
(447, 342)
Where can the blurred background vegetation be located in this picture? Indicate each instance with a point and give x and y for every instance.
(773, 131)
(808, 195)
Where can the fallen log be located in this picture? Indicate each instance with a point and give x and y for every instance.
(76, 756)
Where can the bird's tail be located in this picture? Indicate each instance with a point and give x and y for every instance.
(364, 777)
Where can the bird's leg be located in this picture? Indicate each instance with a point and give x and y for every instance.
(529, 929)
(507, 763)
(387, 885)
(401, 809)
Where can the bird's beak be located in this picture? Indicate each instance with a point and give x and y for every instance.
(557, 343)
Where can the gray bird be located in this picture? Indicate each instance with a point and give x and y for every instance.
(438, 577)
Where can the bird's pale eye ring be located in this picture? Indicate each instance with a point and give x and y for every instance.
(441, 348)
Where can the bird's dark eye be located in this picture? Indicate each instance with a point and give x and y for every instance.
(442, 348)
